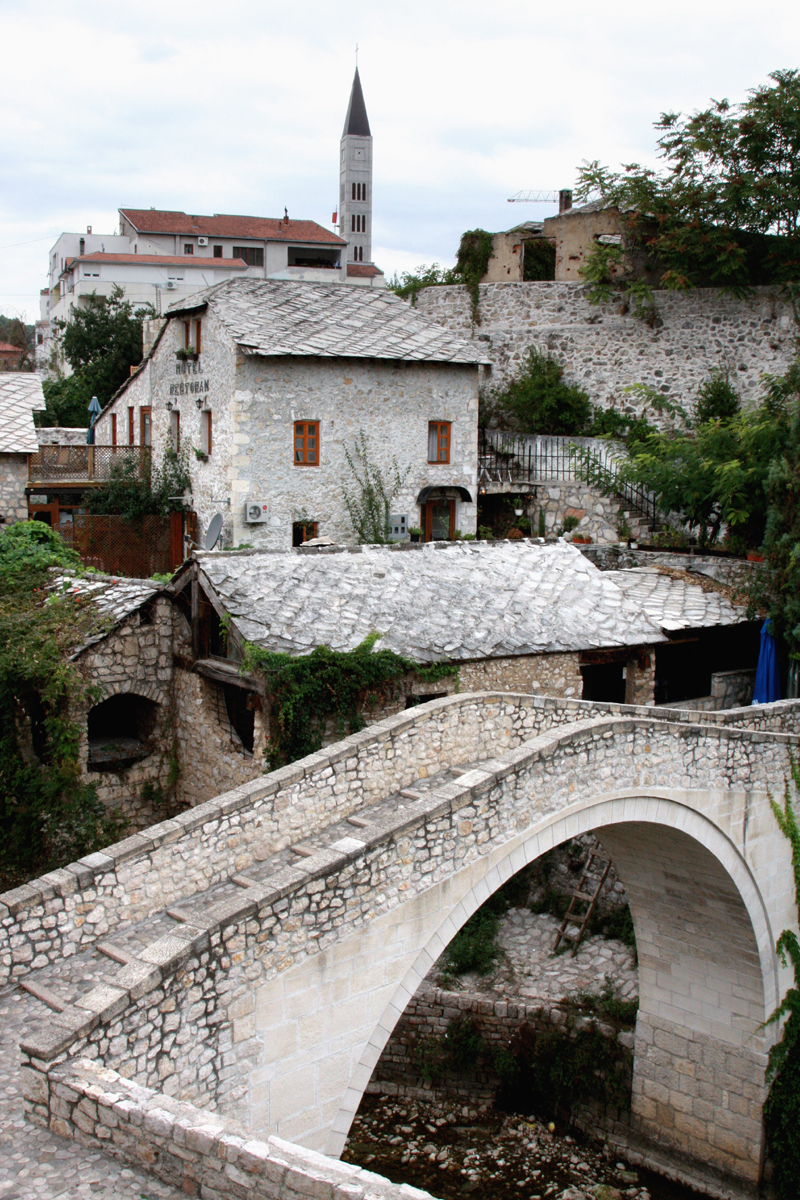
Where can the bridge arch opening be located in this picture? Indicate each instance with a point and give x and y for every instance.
(707, 980)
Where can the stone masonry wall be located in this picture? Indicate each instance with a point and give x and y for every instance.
(73, 907)
(605, 351)
(428, 1016)
(135, 658)
(191, 1150)
(553, 674)
(13, 478)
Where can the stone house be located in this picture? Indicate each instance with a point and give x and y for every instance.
(20, 396)
(269, 385)
(178, 722)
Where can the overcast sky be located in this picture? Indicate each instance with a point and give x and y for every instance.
(238, 108)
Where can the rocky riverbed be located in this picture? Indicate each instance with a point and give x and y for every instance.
(455, 1152)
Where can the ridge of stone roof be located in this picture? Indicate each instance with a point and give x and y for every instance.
(21, 396)
(273, 317)
(676, 600)
(458, 601)
(356, 122)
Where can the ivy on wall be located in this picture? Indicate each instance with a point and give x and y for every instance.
(305, 692)
(472, 262)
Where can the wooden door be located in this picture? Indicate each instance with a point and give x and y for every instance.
(440, 520)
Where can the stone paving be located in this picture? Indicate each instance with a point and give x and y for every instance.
(38, 1165)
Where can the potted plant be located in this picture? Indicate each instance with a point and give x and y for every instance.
(624, 531)
(200, 455)
(414, 533)
(187, 354)
(581, 539)
(485, 533)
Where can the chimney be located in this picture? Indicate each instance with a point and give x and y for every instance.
(564, 200)
(88, 229)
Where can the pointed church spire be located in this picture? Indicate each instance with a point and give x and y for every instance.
(356, 122)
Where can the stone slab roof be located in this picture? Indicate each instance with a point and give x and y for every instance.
(114, 596)
(459, 601)
(281, 317)
(674, 601)
(21, 395)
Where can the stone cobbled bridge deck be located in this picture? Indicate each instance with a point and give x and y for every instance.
(238, 969)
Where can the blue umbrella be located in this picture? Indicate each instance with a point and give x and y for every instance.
(768, 685)
(94, 413)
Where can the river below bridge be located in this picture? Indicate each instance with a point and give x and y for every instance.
(454, 1152)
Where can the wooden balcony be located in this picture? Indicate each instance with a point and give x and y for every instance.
(86, 466)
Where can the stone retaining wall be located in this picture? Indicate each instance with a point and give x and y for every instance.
(197, 1152)
(428, 1016)
(73, 907)
(604, 350)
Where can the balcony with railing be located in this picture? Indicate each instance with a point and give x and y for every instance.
(86, 466)
(517, 462)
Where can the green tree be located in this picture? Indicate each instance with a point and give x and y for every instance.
(101, 341)
(133, 494)
(539, 401)
(712, 474)
(48, 815)
(15, 333)
(724, 211)
(778, 585)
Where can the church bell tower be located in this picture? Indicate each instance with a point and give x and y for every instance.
(355, 179)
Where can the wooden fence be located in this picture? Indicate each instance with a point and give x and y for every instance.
(137, 548)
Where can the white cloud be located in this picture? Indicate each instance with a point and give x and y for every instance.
(239, 108)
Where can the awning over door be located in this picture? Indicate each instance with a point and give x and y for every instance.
(443, 490)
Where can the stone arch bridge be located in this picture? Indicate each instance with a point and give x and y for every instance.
(253, 955)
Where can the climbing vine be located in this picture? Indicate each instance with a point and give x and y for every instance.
(305, 693)
(782, 1109)
(472, 262)
(48, 815)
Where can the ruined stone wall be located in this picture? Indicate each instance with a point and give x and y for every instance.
(212, 757)
(426, 1020)
(13, 479)
(605, 351)
(135, 658)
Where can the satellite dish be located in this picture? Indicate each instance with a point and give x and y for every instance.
(213, 531)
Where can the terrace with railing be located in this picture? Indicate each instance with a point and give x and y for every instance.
(86, 465)
(510, 462)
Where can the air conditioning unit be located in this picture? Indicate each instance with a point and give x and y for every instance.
(170, 285)
(255, 512)
(202, 241)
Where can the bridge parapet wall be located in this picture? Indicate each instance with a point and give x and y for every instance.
(72, 908)
(196, 1151)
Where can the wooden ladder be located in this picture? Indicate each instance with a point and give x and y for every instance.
(582, 895)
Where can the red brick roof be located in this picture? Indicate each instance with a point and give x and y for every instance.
(273, 229)
(7, 348)
(161, 260)
(363, 270)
